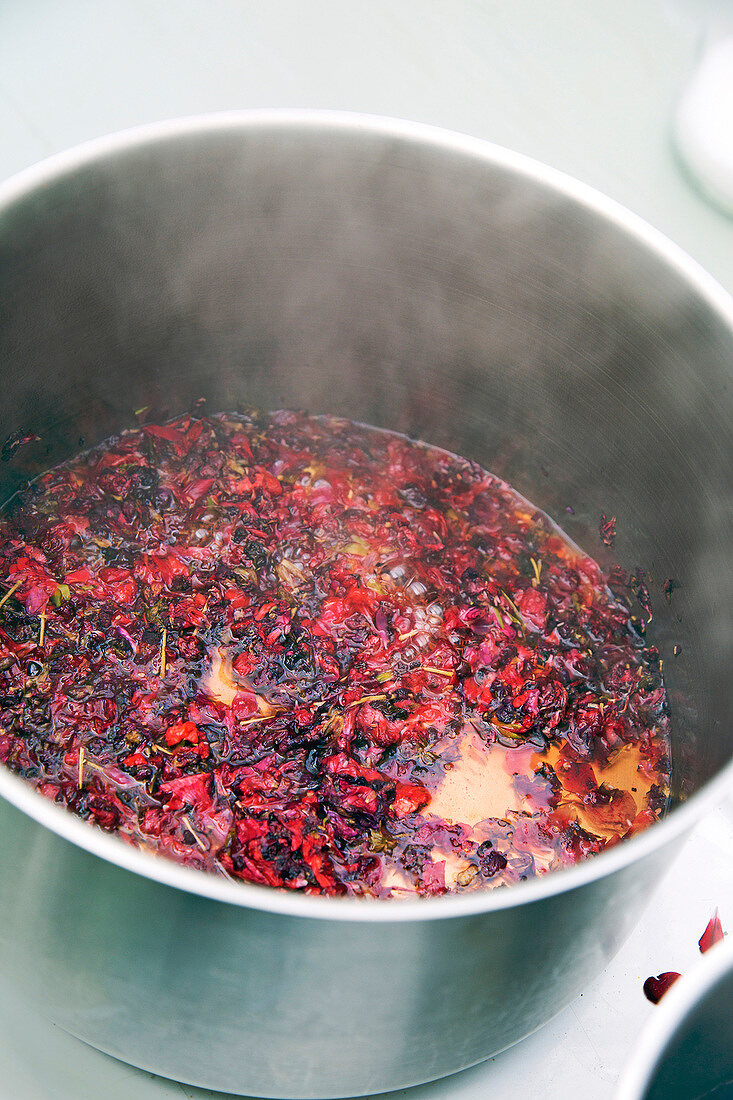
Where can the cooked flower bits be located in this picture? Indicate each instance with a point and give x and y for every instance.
(310, 654)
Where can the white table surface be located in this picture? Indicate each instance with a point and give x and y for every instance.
(585, 85)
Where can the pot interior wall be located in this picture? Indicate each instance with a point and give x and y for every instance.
(407, 285)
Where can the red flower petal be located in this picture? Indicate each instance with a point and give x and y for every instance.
(713, 934)
(410, 797)
(655, 988)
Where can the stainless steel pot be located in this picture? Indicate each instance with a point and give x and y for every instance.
(428, 283)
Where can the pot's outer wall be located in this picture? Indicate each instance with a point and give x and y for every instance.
(277, 1006)
(427, 286)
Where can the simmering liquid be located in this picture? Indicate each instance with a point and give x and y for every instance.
(309, 654)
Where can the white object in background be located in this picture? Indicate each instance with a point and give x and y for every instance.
(704, 123)
(678, 1026)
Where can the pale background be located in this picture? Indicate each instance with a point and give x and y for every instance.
(588, 86)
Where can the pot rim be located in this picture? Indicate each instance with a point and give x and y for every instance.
(112, 849)
(667, 1018)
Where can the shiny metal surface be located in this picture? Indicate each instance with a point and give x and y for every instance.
(686, 1050)
(431, 284)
